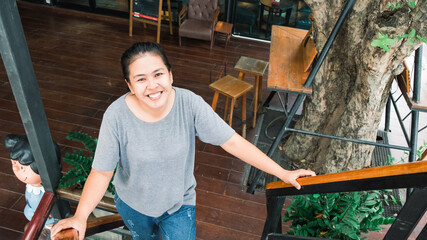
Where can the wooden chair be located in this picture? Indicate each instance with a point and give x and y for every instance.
(232, 88)
(198, 19)
(145, 15)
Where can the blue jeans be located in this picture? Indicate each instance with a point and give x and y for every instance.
(180, 225)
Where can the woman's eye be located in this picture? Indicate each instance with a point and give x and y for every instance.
(141, 80)
(158, 74)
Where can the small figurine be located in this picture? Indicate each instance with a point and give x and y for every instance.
(25, 169)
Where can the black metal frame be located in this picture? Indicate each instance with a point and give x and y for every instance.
(348, 7)
(412, 140)
(407, 219)
(19, 68)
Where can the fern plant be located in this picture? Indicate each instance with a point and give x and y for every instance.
(337, 215)
(80, 162)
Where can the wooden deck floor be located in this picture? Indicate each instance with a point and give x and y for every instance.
(76, 57)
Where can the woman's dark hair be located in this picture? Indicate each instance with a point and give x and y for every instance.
(20, 151)
(141, 48)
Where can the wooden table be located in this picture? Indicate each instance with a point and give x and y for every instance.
(288, 69)
(224, 28)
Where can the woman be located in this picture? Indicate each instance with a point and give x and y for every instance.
(149, 134)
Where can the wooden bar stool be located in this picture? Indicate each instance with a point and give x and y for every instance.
(232, 88)
(256, 67)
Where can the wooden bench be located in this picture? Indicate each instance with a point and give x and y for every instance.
(292, 52)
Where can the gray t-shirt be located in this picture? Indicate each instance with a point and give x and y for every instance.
(155, 161)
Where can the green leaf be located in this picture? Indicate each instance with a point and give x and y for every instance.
(365, 209)
(424, 40)
(383, 42)
(412, 4)
(370, 203)
(393, 6)
(353, 235)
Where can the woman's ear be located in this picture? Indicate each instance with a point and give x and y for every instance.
(171, 76)
(129, 85)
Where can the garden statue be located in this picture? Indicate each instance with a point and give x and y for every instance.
(25, 169)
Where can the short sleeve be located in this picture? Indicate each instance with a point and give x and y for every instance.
(107, 152)
(210, 128)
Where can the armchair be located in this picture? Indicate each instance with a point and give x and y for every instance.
(198, 19)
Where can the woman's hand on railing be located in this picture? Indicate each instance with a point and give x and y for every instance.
(292, 176)
(74, 222)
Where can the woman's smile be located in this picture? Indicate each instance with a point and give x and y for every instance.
(155, 96)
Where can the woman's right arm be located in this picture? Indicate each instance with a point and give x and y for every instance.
(93, 191)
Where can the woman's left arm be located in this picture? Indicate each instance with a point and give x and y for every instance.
(247, 152)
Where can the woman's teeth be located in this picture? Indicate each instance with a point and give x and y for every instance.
(154, 95)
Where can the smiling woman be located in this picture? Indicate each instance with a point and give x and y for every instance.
(150, 82)
(150, 135)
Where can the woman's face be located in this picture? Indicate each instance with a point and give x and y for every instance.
(150, 81)
(25, 174)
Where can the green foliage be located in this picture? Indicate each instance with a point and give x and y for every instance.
(383, 42)
(424, 40)
(421, 149)
(338, 215)
(80, 162)
(393, 6)
(419, 153)
(410, 36)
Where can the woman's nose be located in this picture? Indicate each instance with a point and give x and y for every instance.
(151, 83)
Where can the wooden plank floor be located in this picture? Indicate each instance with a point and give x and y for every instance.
(76, 57)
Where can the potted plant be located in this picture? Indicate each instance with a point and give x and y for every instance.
(81, 162)
(343, 215)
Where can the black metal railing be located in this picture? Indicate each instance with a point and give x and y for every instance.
(408, 175)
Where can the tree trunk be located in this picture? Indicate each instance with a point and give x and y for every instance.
(352, 86)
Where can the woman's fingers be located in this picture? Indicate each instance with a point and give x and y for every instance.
(69, 223)
(292, 177)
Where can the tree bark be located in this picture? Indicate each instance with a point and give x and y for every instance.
(352, 86)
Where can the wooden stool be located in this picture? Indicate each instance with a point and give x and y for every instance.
(247, 65)
(232, 88)
(224, 28)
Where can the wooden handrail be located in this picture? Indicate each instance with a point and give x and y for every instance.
(72, 194)
(376, 172)
(39, 218)
(95, 225)
(407, 175)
